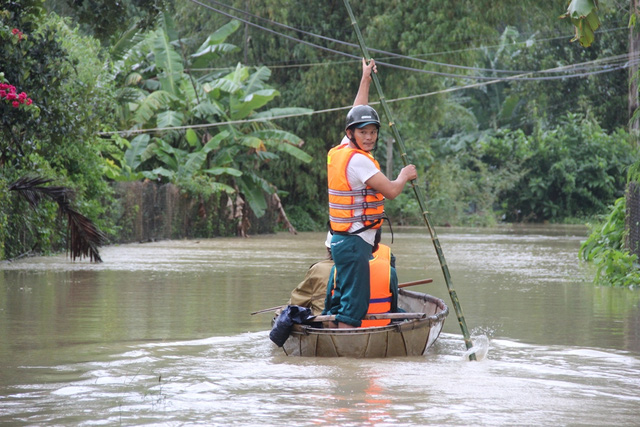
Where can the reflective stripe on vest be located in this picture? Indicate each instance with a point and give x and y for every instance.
(380, 302)
(342, 204)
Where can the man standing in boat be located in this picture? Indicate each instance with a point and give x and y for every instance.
(357, 189)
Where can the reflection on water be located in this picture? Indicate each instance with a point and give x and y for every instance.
(160, 333)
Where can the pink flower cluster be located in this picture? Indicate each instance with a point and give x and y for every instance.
(17, 32)
(8, 92)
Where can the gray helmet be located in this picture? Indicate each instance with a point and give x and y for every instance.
(362, 115)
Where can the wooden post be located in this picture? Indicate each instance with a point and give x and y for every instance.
(634, 48)
(632, 218)
(389, 157)
(246, 36)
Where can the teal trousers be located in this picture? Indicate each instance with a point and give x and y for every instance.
(350, 299)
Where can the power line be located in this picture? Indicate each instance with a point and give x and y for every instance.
(390, 54)
(521, 76)
(608, 61)
(607, 65)
(600, 31)
(328, 110)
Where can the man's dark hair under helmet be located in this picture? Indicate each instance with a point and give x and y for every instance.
(360, 116)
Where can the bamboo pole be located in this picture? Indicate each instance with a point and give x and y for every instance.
(419, 196)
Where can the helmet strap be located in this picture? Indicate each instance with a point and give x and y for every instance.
(352, 138)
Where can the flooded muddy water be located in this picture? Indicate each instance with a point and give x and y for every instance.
(161, 334)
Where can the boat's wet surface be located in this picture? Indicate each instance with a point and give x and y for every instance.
(160, 333)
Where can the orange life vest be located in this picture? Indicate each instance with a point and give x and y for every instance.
(342, 205)
(380, 299)
(379, 288)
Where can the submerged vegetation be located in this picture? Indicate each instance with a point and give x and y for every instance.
(615, 266)
(609, 247)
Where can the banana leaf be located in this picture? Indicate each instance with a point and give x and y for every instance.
(253, 192)
(168, 62)
(258, 79)
(283, 141)
(224, 84)
(192, 138)
(132, 156)
(170, 119)
(214, 142)
(160, 171)
(203, 58)
(252, 102)
(584, 17)
(223, 171)
(194, 162)
(213, 46)
(149, 105)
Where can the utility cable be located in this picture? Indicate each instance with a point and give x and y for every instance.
(315, 112)
(333, 50)
(442, 91)
(353, 45)
(521, 76)
(617, 60)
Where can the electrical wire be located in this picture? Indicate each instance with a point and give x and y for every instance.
(521, 76)
(315, 112)
(353, 45)
(608, 65)
(608, 61)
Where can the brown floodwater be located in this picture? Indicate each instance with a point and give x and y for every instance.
(161, 334)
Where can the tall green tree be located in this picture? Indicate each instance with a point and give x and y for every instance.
(55, 137)
(107, 20)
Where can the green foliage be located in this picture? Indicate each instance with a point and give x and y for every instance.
(470, 174)
(615, 266)
(303, 220)
(156, 92)
(60, 71)
(463, 33)
(104, 20)
(474, 171)
(602, 96)
(493, 106)
(573, 170)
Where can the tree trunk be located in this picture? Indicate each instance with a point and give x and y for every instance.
(634, 47)
(246, 36)
(632, 218)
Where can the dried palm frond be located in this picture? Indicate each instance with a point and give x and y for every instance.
(32, 190)
(84, 237)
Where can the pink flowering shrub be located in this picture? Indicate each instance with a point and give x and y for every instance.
(18, 33)
(8, 92)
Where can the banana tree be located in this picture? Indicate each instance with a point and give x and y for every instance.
(158, 92)
(492, 105)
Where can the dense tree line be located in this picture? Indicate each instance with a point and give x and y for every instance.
(445, 131)
(504, 117)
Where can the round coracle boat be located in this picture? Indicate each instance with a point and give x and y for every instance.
(410, 333)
